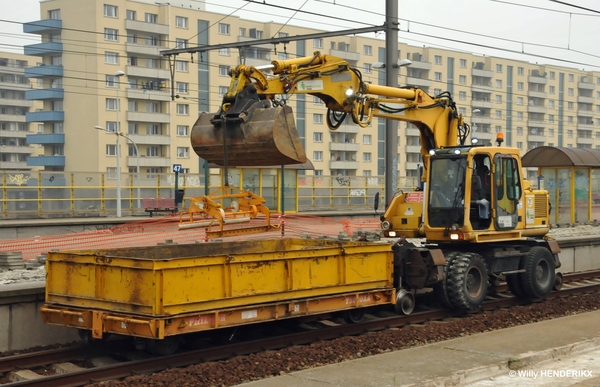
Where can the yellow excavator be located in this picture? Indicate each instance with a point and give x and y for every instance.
(481, 220)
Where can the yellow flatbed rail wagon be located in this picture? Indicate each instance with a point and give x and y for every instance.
(161, 291)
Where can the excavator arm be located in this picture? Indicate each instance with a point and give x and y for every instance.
(255, 127)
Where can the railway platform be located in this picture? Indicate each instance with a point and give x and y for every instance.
(560, 352)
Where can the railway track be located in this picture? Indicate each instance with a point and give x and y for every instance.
(574, 284)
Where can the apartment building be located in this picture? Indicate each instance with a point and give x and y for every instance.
(102, 66)
(15, 102)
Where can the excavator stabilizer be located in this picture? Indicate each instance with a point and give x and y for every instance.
(260, 136)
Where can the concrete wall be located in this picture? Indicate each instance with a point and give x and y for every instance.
(579, 254)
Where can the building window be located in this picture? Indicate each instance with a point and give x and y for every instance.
(317, 156)
(181, 43)
(151, 18)
(110, 10)
(182, 87)
(520, 85)
(367, 68)
(151, 41)
(318, 172)
(366, 139)
(551, 89)
(498, 98)
(130, 15)
(520, 71)
(181, 66)
(132, 153)
(132, 129)
(111, 34)
(181, 22)
(519, 130)
(570, 91)
(550, 132)
(111, 173)
(551, 104)
(151, 173)
(570, 119)
(242, 32)
(111, 57)
(111, 81)
(519, 116)
(111, 150)
(571, 77)
(182, 109)
(462, 79)
(131, 38)
(367, 50)
(224, 51)
(437, 91)
(498, 68)
(318, 43)
(462, 95)
(152, 129)
(438, 59)
(498, 113)
(570, 105)
(223, 29)
(111, 104)
(438, 76)
(318, 118)
(550, 117)
(54, 14)
(183, 130)
(569, 133)
(317, 137)
(152, 151)
(152, 107)
(520, 145)
(498, 128)
(498, 83)
(223, 90)
(317, 101)
(183, 152)
(463, 63)
(552, 75)
(367, 157)
(520, 101)
(224, 70)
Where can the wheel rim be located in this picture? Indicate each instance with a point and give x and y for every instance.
(542, 273)
(474, 282)
(405, 302)
(356, 315)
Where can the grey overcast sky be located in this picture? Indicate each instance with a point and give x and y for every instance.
(549, 31)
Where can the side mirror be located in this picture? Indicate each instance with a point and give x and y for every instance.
(376, 201)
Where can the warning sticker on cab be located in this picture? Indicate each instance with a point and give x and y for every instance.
(413, 197)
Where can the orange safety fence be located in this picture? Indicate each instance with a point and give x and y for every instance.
(149, 232)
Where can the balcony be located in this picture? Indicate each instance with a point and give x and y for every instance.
(348, 128)
(14, 133)
(42, 26)
(156, 162)
(153, 28)
(537, 94)
(537, 79)
(487, 135)
(41, 94)
(150, 139)
(14, 165)
(343, 146)
(159, 118)
(45, 116)
(343, 164)
(46, 161)
(585, 140)
(536, 138)
(413, 132)
(267, 46)
(536, 124)
(143, 49)
(482, 88)
(152, 95)
(420, 65)
(16, 149)
(413, 148)
(347, 55)
(144, 72)
(15, 86)
(586, 86)
(44, 71)
(481, 104)
(411, 81)
(479, 120)
(585, 113)
(536, 109)
(257, 62)
(411, 166)
(17, 102)
(582, 99)
(589, 126)
(41, 49)
(44, 139)
(13, 117)
(482, 73)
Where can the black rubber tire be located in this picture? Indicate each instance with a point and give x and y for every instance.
(467, 281)
(515, 286)
(538, 278)
(440, 289)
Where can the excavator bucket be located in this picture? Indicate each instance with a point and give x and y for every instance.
(259, 136)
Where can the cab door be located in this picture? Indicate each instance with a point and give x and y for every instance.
(507, 191)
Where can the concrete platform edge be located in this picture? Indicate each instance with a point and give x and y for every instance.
(502, 368)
